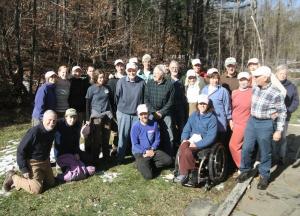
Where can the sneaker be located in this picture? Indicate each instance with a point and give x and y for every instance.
(182, 179)
(8, 181)
(263, 183)
(244, 176)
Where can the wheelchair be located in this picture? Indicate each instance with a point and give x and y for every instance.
(211, 163)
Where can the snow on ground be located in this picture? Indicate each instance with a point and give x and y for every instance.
(8, 157)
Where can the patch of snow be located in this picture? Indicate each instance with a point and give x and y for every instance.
(168, 177)
(108, 176)
(220, 187)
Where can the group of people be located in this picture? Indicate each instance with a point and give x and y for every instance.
(162, 114)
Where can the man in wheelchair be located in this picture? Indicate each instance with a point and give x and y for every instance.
(199, 133)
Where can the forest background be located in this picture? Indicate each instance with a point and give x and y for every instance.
(37, 36)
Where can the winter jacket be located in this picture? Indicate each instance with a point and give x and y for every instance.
(144, 137)
(36, 144)
(203, 124)
(291, 99)
(45, 99)
(220, 99)
(66, 138)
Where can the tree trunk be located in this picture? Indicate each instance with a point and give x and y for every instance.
(33, 54)
(164, 30)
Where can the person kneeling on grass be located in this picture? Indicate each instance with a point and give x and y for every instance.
(68, 154)
(145, 139)
(199, 132)
(33, 158)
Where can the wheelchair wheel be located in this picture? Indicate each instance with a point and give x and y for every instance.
(203, 170)
(217, 164)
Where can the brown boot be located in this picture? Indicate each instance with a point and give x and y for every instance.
(8, 181)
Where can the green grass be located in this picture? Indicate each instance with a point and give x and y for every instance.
(12, 132)
(128, 194)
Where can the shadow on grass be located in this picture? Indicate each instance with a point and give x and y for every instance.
(15, 116)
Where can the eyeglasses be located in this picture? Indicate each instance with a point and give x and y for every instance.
(191, 77)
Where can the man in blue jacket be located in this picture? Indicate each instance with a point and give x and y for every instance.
(145, 139)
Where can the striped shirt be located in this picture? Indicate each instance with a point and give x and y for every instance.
(267, 101)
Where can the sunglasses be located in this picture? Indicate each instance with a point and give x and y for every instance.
(191, 77)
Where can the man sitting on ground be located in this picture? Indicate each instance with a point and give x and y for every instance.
(145, 139)
(33, 158)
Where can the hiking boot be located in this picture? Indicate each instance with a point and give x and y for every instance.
(263, 183)
(8, 181)
(244, 176)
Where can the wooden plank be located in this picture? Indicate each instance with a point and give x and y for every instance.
(233, 198)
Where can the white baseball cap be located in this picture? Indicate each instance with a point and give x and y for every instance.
(131, 65)
(190, 72)
(262, 71)
(230, 61)
(118, 61)
(133, 60)
(49, 74)
(253, 61)
(212, 70)
(76, 68)
(243, 75)
(196, 61)
(142, 108)
(202, 98)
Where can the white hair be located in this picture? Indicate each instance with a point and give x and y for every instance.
(281, 68)
(161, 68)
(48, 113)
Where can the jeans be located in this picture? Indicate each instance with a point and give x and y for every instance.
(258, 131)
(125, 123)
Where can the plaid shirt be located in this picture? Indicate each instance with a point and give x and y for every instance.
(265, 102)
(159, 97)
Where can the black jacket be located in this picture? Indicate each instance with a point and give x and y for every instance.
(36, 144)
(78, 89)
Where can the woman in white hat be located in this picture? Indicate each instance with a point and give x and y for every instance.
(221, 102)
(45, 98)
(199, 132)
(192, 89)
